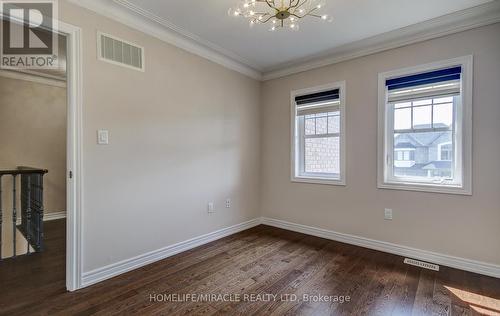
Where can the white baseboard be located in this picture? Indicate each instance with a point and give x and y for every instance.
(432, 257)
(115, 269)
(53, 216)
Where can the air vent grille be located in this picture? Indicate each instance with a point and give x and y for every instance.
(120, 52)
(422, 264)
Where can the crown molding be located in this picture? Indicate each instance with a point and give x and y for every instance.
(126, 13)
(460, 21)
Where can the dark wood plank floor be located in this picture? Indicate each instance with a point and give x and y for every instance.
(259, 262)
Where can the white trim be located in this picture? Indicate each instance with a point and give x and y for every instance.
(54, 216)
(400, 250)
(11, 74)
(115, 269)
(74, 185)
(383, 138)
(456, 22)
(126, 13)
(102, 58)
(341, 85)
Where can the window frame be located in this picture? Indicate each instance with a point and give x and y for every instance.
(463, 133)
(296, 147)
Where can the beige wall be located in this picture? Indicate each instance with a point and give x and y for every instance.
(33, 133)
(463, 226)
(182, 133)
(188, 131)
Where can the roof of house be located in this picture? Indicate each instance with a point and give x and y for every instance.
(438, 164)
(420, 139)
(405, 145)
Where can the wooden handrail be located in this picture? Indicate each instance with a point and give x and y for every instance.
(23, 170)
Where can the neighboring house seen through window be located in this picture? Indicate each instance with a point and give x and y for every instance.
(317, 152)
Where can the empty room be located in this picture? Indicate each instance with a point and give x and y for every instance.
(250, 157)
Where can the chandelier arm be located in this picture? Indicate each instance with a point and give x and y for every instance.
(271, 4)
(267, 20)
(298, 16)
(311, 11)
(295, 4)
(299, 4)
(306, 14)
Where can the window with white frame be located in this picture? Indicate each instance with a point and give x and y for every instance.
(318, 131)
(425, 129)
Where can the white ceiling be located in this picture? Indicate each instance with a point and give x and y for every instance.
(354, 20)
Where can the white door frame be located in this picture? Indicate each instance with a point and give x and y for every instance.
(74, 184)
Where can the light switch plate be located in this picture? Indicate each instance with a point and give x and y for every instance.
(388, 214)
(102, 137)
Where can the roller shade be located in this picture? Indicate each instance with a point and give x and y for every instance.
(321, 102)
(434, 84)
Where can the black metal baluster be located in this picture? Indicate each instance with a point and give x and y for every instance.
(14, 215)
(1, 218)
(28, 211)
(40, 219)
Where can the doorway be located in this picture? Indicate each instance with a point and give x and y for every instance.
(71, 171)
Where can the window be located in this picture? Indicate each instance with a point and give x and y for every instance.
(445, 151)
(425, 128)
(318, 135)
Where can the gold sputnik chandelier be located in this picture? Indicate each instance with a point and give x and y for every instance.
(280, 14)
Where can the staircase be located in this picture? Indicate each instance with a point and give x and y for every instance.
(21, 211)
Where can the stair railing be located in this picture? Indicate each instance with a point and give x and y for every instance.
(31, 207)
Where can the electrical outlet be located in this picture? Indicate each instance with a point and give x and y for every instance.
(102, 137)
(211, 207)
(388, 214)
(228, 203)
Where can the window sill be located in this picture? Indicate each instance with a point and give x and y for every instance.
(318, 180)
(444, 189)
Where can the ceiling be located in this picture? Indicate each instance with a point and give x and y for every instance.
(354, 20)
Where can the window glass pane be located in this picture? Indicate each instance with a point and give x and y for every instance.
(310, 126)
(321, 125)
(402, 119)
(424, 157)
(334, 124)
(443, 115)
(322, 155)
(422, 117)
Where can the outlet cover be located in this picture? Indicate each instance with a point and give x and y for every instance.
(211, 207)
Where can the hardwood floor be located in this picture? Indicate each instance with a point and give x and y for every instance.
(259, 262)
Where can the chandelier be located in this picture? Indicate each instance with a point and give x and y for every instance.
(280, 14)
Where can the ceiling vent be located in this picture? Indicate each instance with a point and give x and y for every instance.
(120, 52)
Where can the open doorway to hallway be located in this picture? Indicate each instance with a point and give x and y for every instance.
(33, 156)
